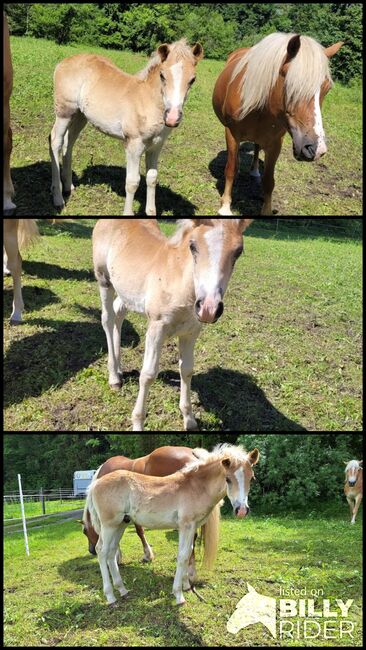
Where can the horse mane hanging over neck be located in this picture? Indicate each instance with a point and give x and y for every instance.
(263, 62)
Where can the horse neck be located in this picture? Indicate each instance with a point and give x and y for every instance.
(153, 84)
(183, 267)
(212, 476)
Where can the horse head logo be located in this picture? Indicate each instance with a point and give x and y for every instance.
(251, 609)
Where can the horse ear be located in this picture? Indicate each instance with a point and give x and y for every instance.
(251, 589)
(333, 49)
(360, 462)
(244, 224)
(197, 51)
(345, 462)
(254, 456)
(163, 51)
(293, 47)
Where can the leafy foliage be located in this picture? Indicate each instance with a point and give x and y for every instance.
(220, 27)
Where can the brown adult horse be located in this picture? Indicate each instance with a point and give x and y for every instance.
(8, 205)
(161, 462)
(276, 86)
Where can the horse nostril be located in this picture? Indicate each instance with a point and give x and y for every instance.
(198, 306)
(219, 311)
(309, 151)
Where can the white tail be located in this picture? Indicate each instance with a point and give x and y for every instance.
(89, 505)
(27, 232)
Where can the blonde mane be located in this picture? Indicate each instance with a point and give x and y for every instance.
(223, 450)
(263, 62)
(186, 225)
(178, 49)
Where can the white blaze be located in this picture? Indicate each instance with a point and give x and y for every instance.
(318, 127)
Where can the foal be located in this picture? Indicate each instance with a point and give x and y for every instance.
(353, 486)
(182, 501)
(161, 462)
(139, 109)
(178, 283)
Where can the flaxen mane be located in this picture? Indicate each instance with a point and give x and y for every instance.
(263, 62)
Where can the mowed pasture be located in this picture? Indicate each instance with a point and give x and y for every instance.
(55, 598)
(191, 166)
(286, 355)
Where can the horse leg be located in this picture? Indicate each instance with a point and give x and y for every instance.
(106, 549)
(148, 554)
(134, 151)
(108, 323)
(113, 560)
(230, 172)
(192, 573)
(75, 127)
(186, 535)
(56, 140)
(271, 155)
(154, 342)
(8, 188)
(120, 312)
(186, 362)
(254, 169)
(355, 509)
(14, 264)
(151, 158)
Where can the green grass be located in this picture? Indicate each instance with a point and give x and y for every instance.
(54, 597)
(285, 356)
(191, 169)
(34, 508)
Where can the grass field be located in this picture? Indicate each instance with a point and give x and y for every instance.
(285, 356)
(34, 508)
(54, 597)
(192, 163)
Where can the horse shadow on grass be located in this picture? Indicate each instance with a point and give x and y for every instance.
(51, 357)
(236, 400)
(46, 271)
(247, 195)
(33, 197)
(162, 619)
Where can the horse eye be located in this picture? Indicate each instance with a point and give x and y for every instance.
(191, 82)
(193, 247)
(238, 253)
(162, 77)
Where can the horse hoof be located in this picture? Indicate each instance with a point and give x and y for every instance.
(117, 386)
(113, 605)
(15, 322)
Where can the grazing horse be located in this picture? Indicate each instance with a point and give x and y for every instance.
(139, 109)
(353, 486)
(18, 234)
(161, 462)
(179, 283)
(8, 205)
(264, 91)
(182, 501)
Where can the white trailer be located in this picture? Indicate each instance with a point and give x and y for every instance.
(82, 479)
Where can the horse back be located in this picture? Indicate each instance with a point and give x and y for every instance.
(167, 460)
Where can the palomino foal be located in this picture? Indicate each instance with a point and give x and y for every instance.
(353, 486)
(178, 283)
(139, 109)
(182, 501)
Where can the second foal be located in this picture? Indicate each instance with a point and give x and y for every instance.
(178, 283)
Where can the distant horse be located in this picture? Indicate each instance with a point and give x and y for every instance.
(179, 283)
(353, 486)
(182, 501)
(139, 109)
(8, 188)
(161, 462)
(18, 234)
(264, 91)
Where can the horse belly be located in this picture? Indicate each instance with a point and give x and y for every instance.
(156, 520)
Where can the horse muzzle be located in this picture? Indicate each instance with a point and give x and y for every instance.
(351, 483)
(172, 117)
(209, 311)
(241, 511)
(92, 549)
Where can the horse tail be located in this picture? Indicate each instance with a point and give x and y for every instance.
(27, 232)
(210, 536)
(89, 501)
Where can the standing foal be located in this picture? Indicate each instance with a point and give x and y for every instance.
(178, 283)
(138, 109)
(353, 486)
